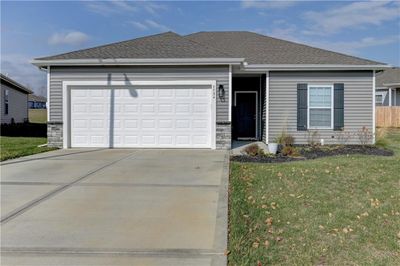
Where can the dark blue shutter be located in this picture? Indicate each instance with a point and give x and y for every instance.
(302, 107)
(338, 106)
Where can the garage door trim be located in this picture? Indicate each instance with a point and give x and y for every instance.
(66, 85)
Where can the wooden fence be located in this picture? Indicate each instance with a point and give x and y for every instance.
(388, 116)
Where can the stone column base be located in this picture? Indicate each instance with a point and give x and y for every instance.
(54, 134)
(224, 135)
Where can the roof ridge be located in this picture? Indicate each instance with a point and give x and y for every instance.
(113, 43)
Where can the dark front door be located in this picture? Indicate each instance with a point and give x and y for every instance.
(245, 115)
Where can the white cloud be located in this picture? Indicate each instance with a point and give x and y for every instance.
(354, 15)
(70, 38)
(267, 4)
(17, 66)
(149, 24)
(108, 8)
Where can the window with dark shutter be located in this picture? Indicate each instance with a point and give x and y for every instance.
(302, 107)
(338, 105)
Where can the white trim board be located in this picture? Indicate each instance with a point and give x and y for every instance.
(66, 100)
(267, 107)
(257, 112)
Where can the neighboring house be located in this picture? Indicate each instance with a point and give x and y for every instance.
(36, 102)
(13, 101)
(204, 90)
(388, 87)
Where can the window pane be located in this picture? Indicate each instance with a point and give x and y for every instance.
(320, 117)
(320, 97)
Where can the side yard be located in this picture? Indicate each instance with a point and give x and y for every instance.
(14, 147)
(37, 116)
(342, 210)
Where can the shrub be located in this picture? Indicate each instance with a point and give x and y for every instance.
(364, 135)
(312, 137)
(285, 139)
(24, 130)
(343, 136)
(381, 140)
(253, 150)
(290, 151)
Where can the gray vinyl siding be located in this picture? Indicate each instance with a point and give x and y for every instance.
(60, 74)
(358, 110)
(17, 105)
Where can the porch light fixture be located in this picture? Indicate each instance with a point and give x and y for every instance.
(221, 92)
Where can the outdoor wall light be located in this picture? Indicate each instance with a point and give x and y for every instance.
(221, 92)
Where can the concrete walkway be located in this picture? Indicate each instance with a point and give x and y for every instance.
(115, 207)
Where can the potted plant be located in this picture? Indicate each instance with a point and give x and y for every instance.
(273, 147)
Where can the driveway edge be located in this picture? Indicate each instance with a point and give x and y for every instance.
(221, 226)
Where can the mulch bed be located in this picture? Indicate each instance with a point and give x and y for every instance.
(309, 153)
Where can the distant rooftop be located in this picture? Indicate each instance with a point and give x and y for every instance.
(10, 82)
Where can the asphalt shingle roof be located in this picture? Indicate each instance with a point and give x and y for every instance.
(255, 48)
(10, 82)
(388, 76)
(164, 45)
(261, 49)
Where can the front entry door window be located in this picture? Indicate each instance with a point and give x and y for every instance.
(245, 115)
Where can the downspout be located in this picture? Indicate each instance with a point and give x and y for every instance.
(267, 107)
(373, 107)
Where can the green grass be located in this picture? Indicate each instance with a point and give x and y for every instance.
(333, 211)
(37, 116)
(14, 147)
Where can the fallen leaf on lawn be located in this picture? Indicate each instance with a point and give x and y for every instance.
(227, 252)
(321, 227)
(279, 238)
(330, 214)
(398, 235)
(292, 195)
(300, 196)
(364, 214)
(270, 231)
(264, 206)
(273, 205)
(280, 174)
(269, 221)
(327, 171)
(256, 244)
(266, 243)
(345, 230)
(250, 197)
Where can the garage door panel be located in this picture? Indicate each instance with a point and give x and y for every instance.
(162, 116)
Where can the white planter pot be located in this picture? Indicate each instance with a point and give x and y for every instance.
(273, 148)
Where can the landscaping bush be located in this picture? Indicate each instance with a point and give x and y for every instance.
(290, 151)
(253, 150)
(24, 130)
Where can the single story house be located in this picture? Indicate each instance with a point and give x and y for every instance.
(13, 101)
(36, 102)
(204, 90)
(388, 87)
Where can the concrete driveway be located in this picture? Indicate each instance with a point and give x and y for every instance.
(115, 207)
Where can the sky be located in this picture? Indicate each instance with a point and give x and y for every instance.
(31, 29)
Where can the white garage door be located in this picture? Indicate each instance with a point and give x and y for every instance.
(146, 116)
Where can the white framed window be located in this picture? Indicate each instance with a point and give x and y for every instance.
(320, 106)
(379, 99)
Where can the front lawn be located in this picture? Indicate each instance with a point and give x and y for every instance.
(14, 147)
(342, 210)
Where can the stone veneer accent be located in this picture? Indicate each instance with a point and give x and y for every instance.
(54, 134)
(224, 135)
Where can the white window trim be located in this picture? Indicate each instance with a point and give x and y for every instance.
(66, 102)
(257, 113)
(316, 107)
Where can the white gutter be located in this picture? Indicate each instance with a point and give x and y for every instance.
(297, 67)
(135, 61)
